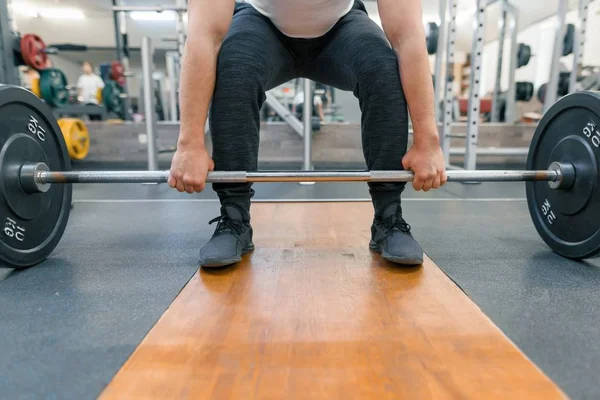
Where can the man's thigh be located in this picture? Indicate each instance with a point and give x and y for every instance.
(252, 49)
(355, 49)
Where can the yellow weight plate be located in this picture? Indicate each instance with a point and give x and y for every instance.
(63, 124)
(77, 137)
(35, 87)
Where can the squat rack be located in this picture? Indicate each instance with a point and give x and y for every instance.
(476, 66)
(448, 9)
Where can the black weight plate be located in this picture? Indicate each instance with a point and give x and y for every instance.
(17, 148)
(30, 225)
(541, 93)
(568, 220)
(563, 84)
(53, 86)
(523, 91)
(568, 40)
(523, 55)
(431, 38)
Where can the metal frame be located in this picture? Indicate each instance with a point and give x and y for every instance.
(552, 88)
(448, 101)
(437, 71)
(580, 29)
(123, 42)
(510, 16)
(9, 72)
(498, 82)
(307, 111)
(180, 28)
(149, 107)
(474, 111)
(172, 61)
(510, 114)
(474, 102)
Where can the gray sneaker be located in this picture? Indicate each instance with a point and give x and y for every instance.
(391, 237)
(231, 240)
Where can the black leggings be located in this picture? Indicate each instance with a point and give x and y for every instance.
(354, 55)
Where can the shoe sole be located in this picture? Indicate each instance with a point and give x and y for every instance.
(395, 259)
(217, 263)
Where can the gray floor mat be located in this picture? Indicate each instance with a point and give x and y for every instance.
(68, 324)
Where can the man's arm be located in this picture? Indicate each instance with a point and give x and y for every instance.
(402, 23)
(208, 22)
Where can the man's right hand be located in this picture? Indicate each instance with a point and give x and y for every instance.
(189, 169)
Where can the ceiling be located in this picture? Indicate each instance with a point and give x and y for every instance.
(97, 27)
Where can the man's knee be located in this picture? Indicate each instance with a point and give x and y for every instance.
(377, 71)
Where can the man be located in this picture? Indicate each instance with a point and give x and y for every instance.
(88, 85)
(236, 52)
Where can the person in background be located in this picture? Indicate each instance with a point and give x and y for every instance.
(88, 86)
(298, 105)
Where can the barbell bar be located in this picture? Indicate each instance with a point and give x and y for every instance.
(38, 177)
(562, 177)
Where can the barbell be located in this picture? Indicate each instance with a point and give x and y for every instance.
(562, 179)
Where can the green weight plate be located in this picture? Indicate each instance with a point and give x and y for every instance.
(569, 132)
(111, 96)
(53, 86)
(31, 225)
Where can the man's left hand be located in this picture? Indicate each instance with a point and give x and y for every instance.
(426, 159)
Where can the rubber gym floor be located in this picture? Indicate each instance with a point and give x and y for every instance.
(120, 309)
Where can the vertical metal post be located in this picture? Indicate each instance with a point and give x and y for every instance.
(552, 88)
(173, 84)
(510, 113)
(307, 119)
(180, 27)
(9, 72)
(12, 21)
(580, 28)
(122, 23)
(118, 41)
(439, 53)
(498, 82)
(446, 130)
(149, 108)
(474, 101)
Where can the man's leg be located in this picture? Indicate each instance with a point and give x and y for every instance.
(356, 56)
(252, 60)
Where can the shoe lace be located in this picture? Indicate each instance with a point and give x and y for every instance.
(395, 221)
(227, 224)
